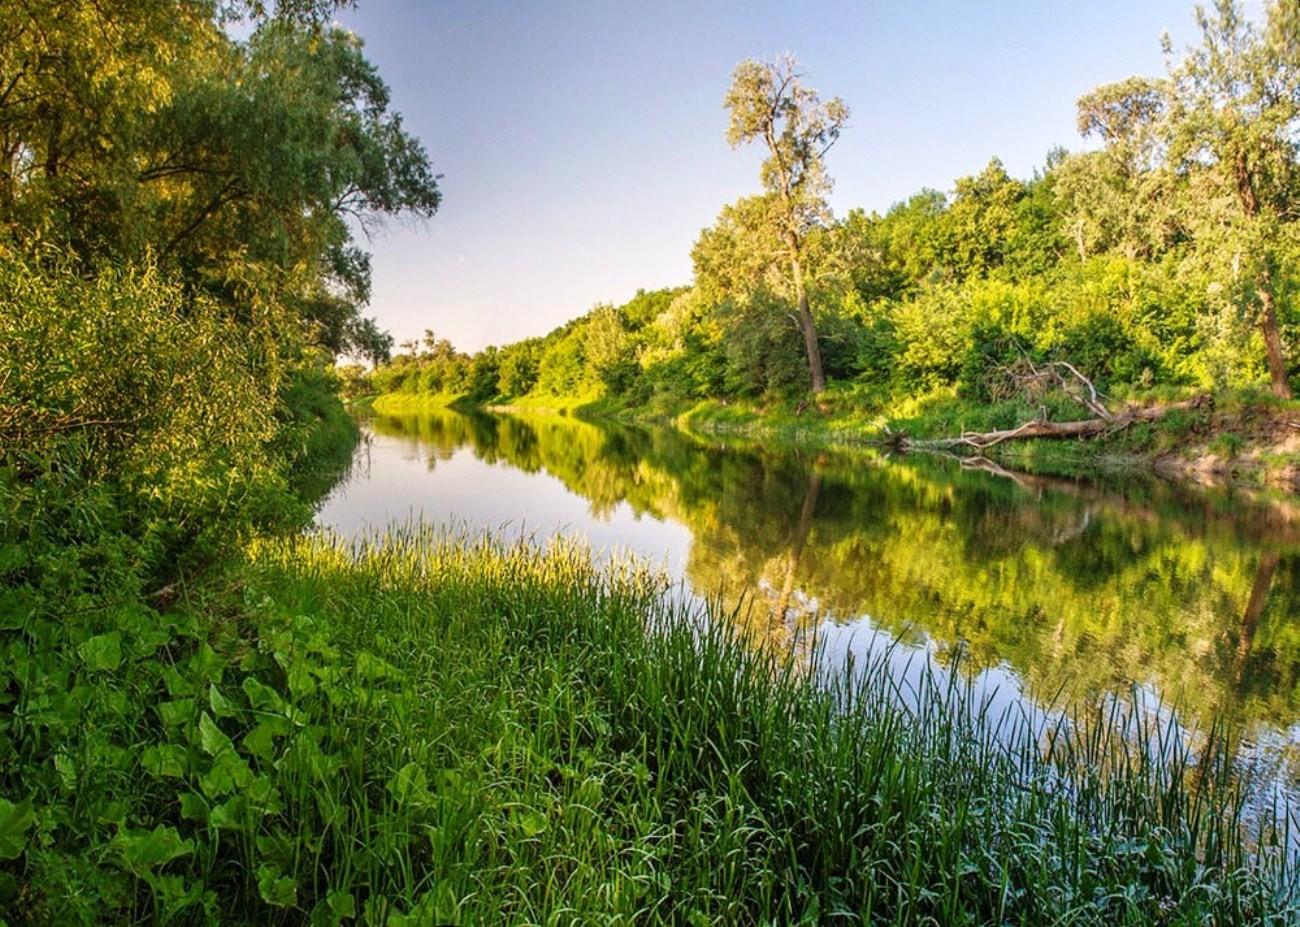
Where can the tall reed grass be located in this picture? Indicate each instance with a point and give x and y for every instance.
(488, 732)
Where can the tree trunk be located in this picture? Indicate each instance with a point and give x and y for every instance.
(1272, 339)
(1038, 428)
(1267, 315)
(806, 324)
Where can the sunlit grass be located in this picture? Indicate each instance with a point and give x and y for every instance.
(488, 732)
(392, 403)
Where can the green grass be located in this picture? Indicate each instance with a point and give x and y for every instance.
(394, 403)
(426, 729)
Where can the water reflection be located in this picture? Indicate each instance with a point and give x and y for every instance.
(1047, 585)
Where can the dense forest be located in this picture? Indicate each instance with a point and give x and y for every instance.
(1164, 256)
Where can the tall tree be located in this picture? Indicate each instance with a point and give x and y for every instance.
(769, 101)
(1225, 125)
(1233, 128)
(142, 131)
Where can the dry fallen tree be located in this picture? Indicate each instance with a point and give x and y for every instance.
(1027, 378)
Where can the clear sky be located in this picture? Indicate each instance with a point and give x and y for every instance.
(582, 145)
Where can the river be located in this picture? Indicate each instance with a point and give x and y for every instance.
(1056, 593)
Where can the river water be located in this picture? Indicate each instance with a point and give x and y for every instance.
(1055, 592)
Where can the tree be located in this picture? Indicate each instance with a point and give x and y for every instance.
(1235, 120)
(769, 101)
(1225, 124)
(983, 218)
(141, 131)
(371, 342)
(608, 349)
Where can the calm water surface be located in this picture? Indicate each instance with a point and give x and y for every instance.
(1055, 591)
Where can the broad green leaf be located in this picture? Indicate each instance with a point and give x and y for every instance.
(178, 712)
(164, 760)
(276, 888)
(260, 741)
(341, 903)
(262, 697)
(143, 850)
(228, 772)
(211, 738)
(410, 786)
(102, 652)
(15, 822)
(221, 706)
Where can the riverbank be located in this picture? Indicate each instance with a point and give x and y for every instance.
(434, 729)
(1239, 437)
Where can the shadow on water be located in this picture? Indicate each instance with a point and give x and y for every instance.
(1044, 585)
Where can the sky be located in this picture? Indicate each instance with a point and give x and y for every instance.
(581, 144)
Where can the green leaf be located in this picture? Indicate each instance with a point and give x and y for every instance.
(66, 767)
(410, 786)
(102, 652)
(260, 741)
(164, 760)
(230, 815)
(211, 738)
(143, 850)
(275, 888)
(229, 772)
(178, 712)
(262, 697)
(375, 669)
(15, 821)
(532, 823)
(206, 664)
(341, 903)
(222, 707)
(194, 807)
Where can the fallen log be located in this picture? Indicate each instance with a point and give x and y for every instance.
(1040, 428)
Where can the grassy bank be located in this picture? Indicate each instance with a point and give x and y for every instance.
(1244, 436)
(398, 403)
(428, 730)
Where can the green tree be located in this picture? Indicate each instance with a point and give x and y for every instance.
(142, 131)
(1226, 122)
(769, 101)
(1121, 197)
(608, 348)
(518, 367)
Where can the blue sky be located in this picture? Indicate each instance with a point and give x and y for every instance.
(582, 145)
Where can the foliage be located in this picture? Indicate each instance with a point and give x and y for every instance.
(141, 131)
(1153, 262)
(177, 273)
(331, 764)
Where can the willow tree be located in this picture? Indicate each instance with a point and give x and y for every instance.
(769, 101)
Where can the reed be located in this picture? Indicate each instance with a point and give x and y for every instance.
(496, 732)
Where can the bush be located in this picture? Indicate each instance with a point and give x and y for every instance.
(122, 379)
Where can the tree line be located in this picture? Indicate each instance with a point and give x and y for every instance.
(1164, 255)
